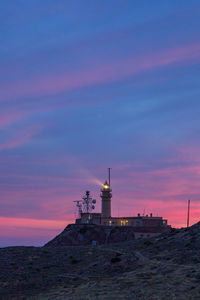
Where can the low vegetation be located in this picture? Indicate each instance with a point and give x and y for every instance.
(164, 267)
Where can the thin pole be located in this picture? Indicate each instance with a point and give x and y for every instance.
(188, 215)
(109, 176)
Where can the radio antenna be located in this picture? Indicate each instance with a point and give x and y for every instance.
(188, 214)
(109, 176)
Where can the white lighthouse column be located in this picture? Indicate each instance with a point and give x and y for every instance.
(106, 201)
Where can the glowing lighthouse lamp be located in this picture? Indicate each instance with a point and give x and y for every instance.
(106, 186)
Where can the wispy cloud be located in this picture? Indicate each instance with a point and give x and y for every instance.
(92, 92)
(7, 118)
(104, 73)
(32, 223)
(29, 231)
(20, 137)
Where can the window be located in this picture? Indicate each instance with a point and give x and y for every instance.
(124, 222)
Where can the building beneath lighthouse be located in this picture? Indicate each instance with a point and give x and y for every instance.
(143, 225)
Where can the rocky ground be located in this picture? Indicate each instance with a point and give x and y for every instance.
(80, 235)
(164, 267)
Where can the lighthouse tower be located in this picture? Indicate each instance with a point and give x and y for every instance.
(106, 200)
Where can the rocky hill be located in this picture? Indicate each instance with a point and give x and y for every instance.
(164, 267)
(79, 235)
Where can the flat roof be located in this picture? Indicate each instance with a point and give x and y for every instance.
(137, 217)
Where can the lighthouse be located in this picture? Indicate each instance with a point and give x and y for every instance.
(106, 196)
(142, 226)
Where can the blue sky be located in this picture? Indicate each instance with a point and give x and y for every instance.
(87, 85)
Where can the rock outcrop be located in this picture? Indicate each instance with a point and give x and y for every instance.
(77, 235)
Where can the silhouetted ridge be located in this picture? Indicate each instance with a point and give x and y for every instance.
(165, 263)
(76, 235)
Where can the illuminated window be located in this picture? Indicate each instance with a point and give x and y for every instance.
(124, 222)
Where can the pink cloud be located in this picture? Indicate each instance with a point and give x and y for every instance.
(7, 118)
(174, 211)
(47, 85)
(25, 231)
(20, 137)
(32, 223)
(163, 191)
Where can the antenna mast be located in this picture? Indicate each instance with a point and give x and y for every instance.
(79, 206)
(188, 215)
(109, 176)
(86, 205)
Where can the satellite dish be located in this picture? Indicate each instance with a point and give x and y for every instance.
(94, 201)
(93, 207)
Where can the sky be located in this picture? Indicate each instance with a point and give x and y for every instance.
(87, 85)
